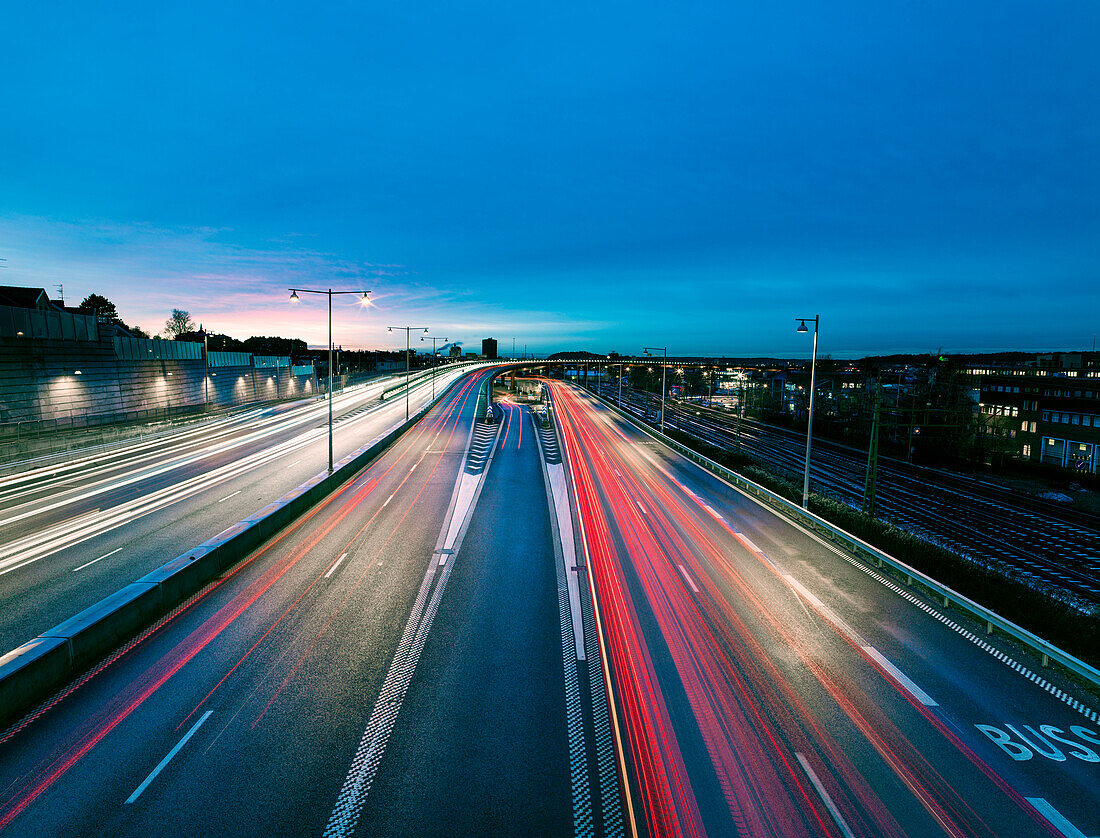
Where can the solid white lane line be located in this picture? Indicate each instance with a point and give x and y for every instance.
(899, 676)
(227, 497)
(1056, 818)
(93, 561)
(153, 775)
(332, 569)
(842, 825)
(687, 578)
(744, 539)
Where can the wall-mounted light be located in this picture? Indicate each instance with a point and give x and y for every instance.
(77, 372)
(19, 334)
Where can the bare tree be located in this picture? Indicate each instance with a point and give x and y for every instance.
(180, 323)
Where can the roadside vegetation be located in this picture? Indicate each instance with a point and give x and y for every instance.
(1037, 609)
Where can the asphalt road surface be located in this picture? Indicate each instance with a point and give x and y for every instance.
(767, 685)
(78, 527)
(419, 656)
(392, 664)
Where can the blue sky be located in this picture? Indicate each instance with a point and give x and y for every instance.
(577, 176)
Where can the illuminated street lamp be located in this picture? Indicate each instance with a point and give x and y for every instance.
(364, 300)
(435, 343)
(664, 367)
(407, 330)
(810, 416)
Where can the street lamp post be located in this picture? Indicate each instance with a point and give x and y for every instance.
(810, 416)
(407, 330)
(364, 300)
(664, 367)
(206, 369)
(435, 342)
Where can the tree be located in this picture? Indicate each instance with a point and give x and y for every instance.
(99, 306)
(259, 345)
(180, 323)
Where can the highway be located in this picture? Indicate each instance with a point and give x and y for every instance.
(494, 624)
(391, 665)
(77, 527)
(767, 685)
(1034, 539)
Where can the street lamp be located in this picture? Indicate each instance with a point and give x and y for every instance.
(407, 330)
(810, 416)
(435, 342)
(363, 300)
(664, 367)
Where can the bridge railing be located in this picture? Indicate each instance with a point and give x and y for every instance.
(860, 549)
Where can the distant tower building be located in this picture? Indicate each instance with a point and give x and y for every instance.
(456, 351)
(489, 348)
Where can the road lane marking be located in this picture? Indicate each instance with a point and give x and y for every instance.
(227, 497)
(387, 503)
(822, 609)
(744, 539)
(1056, 818)
(376, 735)
(641, 508)
(93, 561)
(899, 676)
(978, 641)
(288, 465)
(413, 468)
(153, 775)
(332, 569)
(687, 578)
(842, 825)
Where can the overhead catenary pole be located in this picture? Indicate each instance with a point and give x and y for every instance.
(871, 481)
(664, 368)
(364, 300)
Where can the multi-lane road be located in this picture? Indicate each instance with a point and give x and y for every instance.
(76, 528)
(1037, 540)
(390, 664)
(507, 629)
(768, 685)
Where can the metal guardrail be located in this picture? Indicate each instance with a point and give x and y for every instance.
(864, 551)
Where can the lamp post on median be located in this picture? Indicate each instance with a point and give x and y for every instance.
(664, 367)
(435, 343)
(407, 330)
(364, 300)
(810, 416)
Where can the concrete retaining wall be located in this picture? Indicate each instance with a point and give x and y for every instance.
(61, 371)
